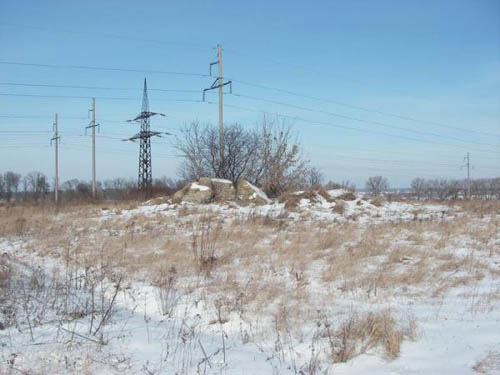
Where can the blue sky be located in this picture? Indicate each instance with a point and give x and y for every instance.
(377, 66)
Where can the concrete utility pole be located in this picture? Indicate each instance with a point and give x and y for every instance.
(93, 126)
(219, 84)
(221, 104)
(56, 181)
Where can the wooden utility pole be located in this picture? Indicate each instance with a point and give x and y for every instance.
(55, 138)
(221, 104)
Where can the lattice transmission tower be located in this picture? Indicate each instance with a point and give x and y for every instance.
(145, 180)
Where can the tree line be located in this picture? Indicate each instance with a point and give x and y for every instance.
(452, 189)
(35, 186)
(439, 189)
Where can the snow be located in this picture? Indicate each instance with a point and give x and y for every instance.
(455, 329)
(221, 180)
(196, 186)
(337, 192)
(258, 193)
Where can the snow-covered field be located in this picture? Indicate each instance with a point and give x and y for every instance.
(316, 284)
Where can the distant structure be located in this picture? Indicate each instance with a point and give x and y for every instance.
(145, 180)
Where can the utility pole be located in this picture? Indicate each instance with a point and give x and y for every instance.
(56, 139)
(93, 125)
(219, 84)
(221, 104)
(468, 176)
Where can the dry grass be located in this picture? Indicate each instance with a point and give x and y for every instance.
(339, 207)
(349, 196)
(326, 195)
(362, 332)
(378, 201)
(267, 265)
(292, 200)
(376, 258)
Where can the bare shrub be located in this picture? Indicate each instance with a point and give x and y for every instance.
(279, 166)
(204, 244)
(6, 291)
(361, 332)
(168, 295)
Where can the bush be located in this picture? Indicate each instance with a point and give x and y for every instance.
(361, 332)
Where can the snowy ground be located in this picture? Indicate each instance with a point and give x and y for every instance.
(321, 286)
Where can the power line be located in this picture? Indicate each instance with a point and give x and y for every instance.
(92, 87)
(297, 118)
(79, 147)
(403, 117)
(24, 131)
(360, 120)
(41, 117)
(341, 126)
(102, 68)
(107, 35)
(352, 106)
(97, 97)
(265, 100)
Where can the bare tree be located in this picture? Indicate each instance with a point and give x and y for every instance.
(199, 145)
(268, 156)
(191, 145)
(418, 187)
(241, 152)
(280, 166)
(11, 183)
(377, 184)
(2, 186)
(37, 182)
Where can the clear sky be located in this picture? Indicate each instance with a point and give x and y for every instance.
(398, 88)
